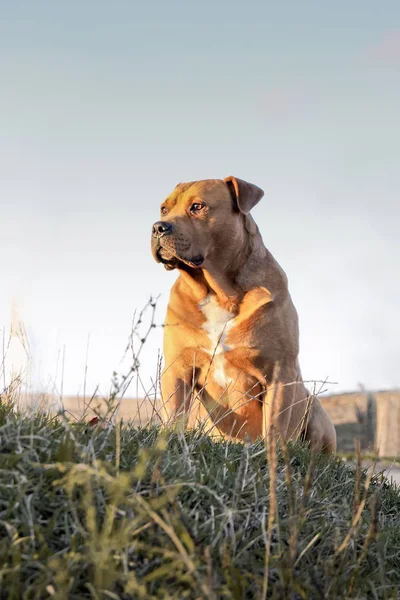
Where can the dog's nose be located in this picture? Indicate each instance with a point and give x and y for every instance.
(161, 228)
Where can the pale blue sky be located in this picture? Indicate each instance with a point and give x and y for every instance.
(104, 107)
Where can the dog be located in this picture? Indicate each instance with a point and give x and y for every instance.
(231, 337)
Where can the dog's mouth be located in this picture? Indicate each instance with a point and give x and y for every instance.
(165, 257)
(171, 261)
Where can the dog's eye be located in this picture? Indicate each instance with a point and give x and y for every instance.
(196, 207)
(164, 210)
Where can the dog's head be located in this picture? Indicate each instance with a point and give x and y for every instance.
(202, 219)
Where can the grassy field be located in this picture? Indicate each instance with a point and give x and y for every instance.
(123, 512)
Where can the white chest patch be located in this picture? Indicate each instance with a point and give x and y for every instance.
(219, 322)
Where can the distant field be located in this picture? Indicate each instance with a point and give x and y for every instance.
(348, 412)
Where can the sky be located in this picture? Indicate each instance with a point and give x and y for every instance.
(105, 107)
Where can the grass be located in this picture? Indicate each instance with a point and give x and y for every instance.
(121, 512)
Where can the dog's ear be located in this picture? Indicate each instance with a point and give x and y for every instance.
(246, 195)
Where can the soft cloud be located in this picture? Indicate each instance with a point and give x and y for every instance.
(387, 50)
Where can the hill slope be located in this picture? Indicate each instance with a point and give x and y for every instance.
(92, 512)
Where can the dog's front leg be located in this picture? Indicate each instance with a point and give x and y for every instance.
(177, 398)
(279, 401)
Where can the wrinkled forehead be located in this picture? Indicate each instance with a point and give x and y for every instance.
(210, 190)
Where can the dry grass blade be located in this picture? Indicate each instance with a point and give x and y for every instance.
(169, 530)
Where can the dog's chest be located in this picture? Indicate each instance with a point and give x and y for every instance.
(217, 326)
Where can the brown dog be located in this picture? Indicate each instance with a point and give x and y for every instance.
(231, 339)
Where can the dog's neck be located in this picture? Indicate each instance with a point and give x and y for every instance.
(226, 277)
